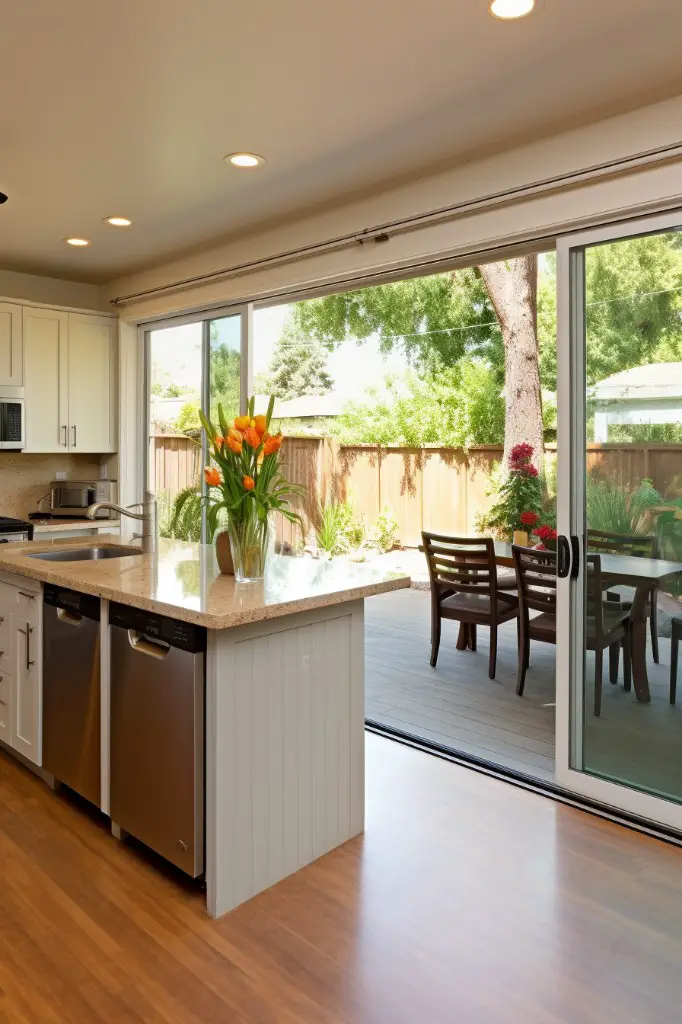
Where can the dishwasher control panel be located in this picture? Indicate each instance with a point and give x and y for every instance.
(183, 635)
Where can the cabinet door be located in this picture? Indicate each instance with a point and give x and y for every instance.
(26, 721)
(92, 383)
(6, 694)
(11, 351)
(45, 380)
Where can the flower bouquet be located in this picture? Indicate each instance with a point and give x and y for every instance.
(248, 486)
(546, 537)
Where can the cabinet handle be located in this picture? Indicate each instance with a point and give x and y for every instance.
(29, 597)
(65, 442)
(74, 434)
(27, 633)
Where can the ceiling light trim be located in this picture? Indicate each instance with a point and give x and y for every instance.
(511, 10)
(244, 159)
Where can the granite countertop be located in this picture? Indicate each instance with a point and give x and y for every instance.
(56, 525)
(182, 580)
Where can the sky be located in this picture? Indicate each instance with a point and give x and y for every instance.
(176, 354)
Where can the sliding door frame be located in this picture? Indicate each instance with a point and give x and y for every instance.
(205, 318)
(571, 401)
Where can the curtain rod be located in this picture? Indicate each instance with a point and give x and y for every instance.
(382, 232)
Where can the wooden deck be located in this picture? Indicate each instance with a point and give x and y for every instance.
(457, 706)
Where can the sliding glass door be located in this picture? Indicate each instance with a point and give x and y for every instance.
(619, 718)
(191, 365)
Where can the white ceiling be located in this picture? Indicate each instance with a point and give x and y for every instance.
(128, 106)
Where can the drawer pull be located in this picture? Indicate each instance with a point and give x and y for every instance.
(29, 597)
(27, 633)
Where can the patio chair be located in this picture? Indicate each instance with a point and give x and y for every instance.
(605, 627)
(637, 547)
(464, 588)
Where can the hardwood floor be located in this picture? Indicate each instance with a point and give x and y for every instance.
(467, 900)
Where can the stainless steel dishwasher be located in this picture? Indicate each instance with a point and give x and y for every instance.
(71, 689)
(157, 733)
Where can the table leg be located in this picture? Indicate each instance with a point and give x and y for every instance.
(640, 676)
(463, 636)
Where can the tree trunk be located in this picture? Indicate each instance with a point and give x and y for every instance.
(512, 287)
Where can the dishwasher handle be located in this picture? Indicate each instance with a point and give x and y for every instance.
(143, 645)
(68, 617)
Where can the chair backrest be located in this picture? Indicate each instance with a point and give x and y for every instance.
(461, 565)
(621, 544)
(537, 583)
(536, 579)
(594, 592)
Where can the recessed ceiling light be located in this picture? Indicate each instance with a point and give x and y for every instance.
(509, 9)
(244, 159)
(77, 241)
(118, 222)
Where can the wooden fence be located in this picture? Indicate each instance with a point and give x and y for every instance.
(429, 488)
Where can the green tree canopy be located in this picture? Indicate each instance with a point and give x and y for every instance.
(298, 366)
(633, 294)
(224, 385)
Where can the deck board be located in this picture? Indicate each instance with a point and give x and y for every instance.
(455, 705)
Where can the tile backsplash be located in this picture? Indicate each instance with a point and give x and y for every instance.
(24, 479)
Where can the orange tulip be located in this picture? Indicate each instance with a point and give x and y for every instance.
(272, 444)
(236, 435)
(212, 476)
(232, 443)
(249, 483)
(251, 437)
(260, 424)
(242, 422)
(219, 441)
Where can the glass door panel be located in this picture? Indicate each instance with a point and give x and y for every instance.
(619, 737)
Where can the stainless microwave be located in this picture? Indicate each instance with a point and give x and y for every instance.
(70, 498)
(12, 429)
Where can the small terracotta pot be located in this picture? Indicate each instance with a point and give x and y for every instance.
(223, 552)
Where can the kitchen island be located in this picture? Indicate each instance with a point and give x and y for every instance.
(284, 693)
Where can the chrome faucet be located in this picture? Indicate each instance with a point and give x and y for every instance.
(148, 516)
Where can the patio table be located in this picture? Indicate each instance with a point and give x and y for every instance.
(642, 574)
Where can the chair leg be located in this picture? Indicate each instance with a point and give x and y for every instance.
(493, 650)
(472, 637)
(523, 656)
(653, 621)
(435, 635)
(598, 678)
(674, 650)
(627, 660)
(614, 660)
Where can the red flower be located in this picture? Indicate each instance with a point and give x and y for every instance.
(520, 453)
(545, 533)
(529, 518)
(528, 470)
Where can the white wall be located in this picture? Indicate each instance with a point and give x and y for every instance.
(52, 291)
(611, 197)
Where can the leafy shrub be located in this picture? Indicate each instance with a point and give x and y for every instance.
(520, 492)
(384, 531)
(185, 517)
(339, 532)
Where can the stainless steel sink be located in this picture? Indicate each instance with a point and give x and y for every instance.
(86, 554)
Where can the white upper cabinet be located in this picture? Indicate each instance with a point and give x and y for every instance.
(11, 351)
(46, 397)
(92, 383)
(70, 362)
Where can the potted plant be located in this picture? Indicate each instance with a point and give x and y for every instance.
(519, 495)
(246, 483)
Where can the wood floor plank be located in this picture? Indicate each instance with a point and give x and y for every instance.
(466, 900)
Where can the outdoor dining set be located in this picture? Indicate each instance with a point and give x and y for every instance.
(472, 585)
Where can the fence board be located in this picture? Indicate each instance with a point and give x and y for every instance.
(434, 488)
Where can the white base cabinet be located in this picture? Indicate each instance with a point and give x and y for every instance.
(21, 666)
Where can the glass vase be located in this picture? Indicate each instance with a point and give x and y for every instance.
(249, 546)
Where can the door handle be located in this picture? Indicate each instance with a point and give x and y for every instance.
(68, 617)
(65, 442)
(568, 556)
(143, 645)
(74, 434)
